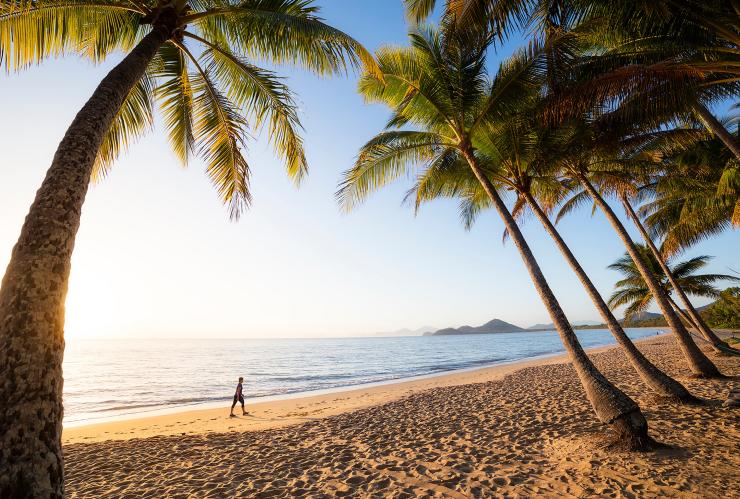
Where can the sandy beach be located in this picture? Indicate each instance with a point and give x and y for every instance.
(520, 429)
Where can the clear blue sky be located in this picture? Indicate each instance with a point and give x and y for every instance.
(157, 256)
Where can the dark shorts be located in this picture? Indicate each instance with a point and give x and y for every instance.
(240, 398)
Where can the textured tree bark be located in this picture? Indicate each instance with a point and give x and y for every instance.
(660, 383)
(613, 407)
(699, 363)
(34, 289)
(696, 318)
(717, 128)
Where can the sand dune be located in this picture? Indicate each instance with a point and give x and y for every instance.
(529, 434)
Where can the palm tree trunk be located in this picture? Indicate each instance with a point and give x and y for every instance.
(659, 382)
(34, 288)
(696, 319)
(612, 406)
(681, 314)
(717, 128)
(699, 363)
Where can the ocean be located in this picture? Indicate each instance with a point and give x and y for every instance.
(116, 378)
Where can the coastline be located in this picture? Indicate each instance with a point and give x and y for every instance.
(277, 412)
(521, 430)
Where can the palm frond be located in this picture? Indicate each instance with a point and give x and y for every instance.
(175, 96)
(284, 32)
(266, 99)
(220, 134)
(32, 31)
(385, 158)
(133, 119)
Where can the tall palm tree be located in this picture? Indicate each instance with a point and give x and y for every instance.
(194, 59)
(599, 75)
(441, 97)
(524, 153)
(698, 362)
(632, 292)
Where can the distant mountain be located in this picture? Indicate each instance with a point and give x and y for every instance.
(490, 327)
(408, 332)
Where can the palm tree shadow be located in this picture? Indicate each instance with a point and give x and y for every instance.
(666, 451)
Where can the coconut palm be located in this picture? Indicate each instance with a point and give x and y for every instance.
(524, 152)
(695, 318)
(195, 59)
(632, 292)
(591, 79)
(652, 59)
(696, 196)
(443, 106)
(592, 156)
(660, 60)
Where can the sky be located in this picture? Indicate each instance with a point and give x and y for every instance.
(157, 255)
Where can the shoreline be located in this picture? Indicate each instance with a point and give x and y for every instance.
(521, 430)
(291, 409)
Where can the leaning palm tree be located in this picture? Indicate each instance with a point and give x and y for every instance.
(195, 59)
(695, 318)
(446, 104)
(697, 195)
(593, 159)
(525, 151)
(632, 292)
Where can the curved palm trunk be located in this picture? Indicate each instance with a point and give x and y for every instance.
(699, 363)
(696, 318)
(717, 128)
(34, 288)
(659, 382)
(612, 406)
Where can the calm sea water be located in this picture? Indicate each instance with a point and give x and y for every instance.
(114, 378)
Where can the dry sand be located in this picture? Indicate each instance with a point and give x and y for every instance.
(523, 429)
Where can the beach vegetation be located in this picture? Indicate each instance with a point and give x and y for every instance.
(446, 111)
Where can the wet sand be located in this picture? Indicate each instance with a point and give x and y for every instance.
(522, 429)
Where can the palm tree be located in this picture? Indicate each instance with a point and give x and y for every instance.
(446, 105)
(695, 318)
(652, 58)
(632, 292)
(696, 196)
(644, 98)
(194, 59)
(699, 363)
(663, 59)
(525, 151)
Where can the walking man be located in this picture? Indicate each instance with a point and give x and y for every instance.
(238, 395)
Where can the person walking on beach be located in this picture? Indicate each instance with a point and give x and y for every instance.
(238, 395)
